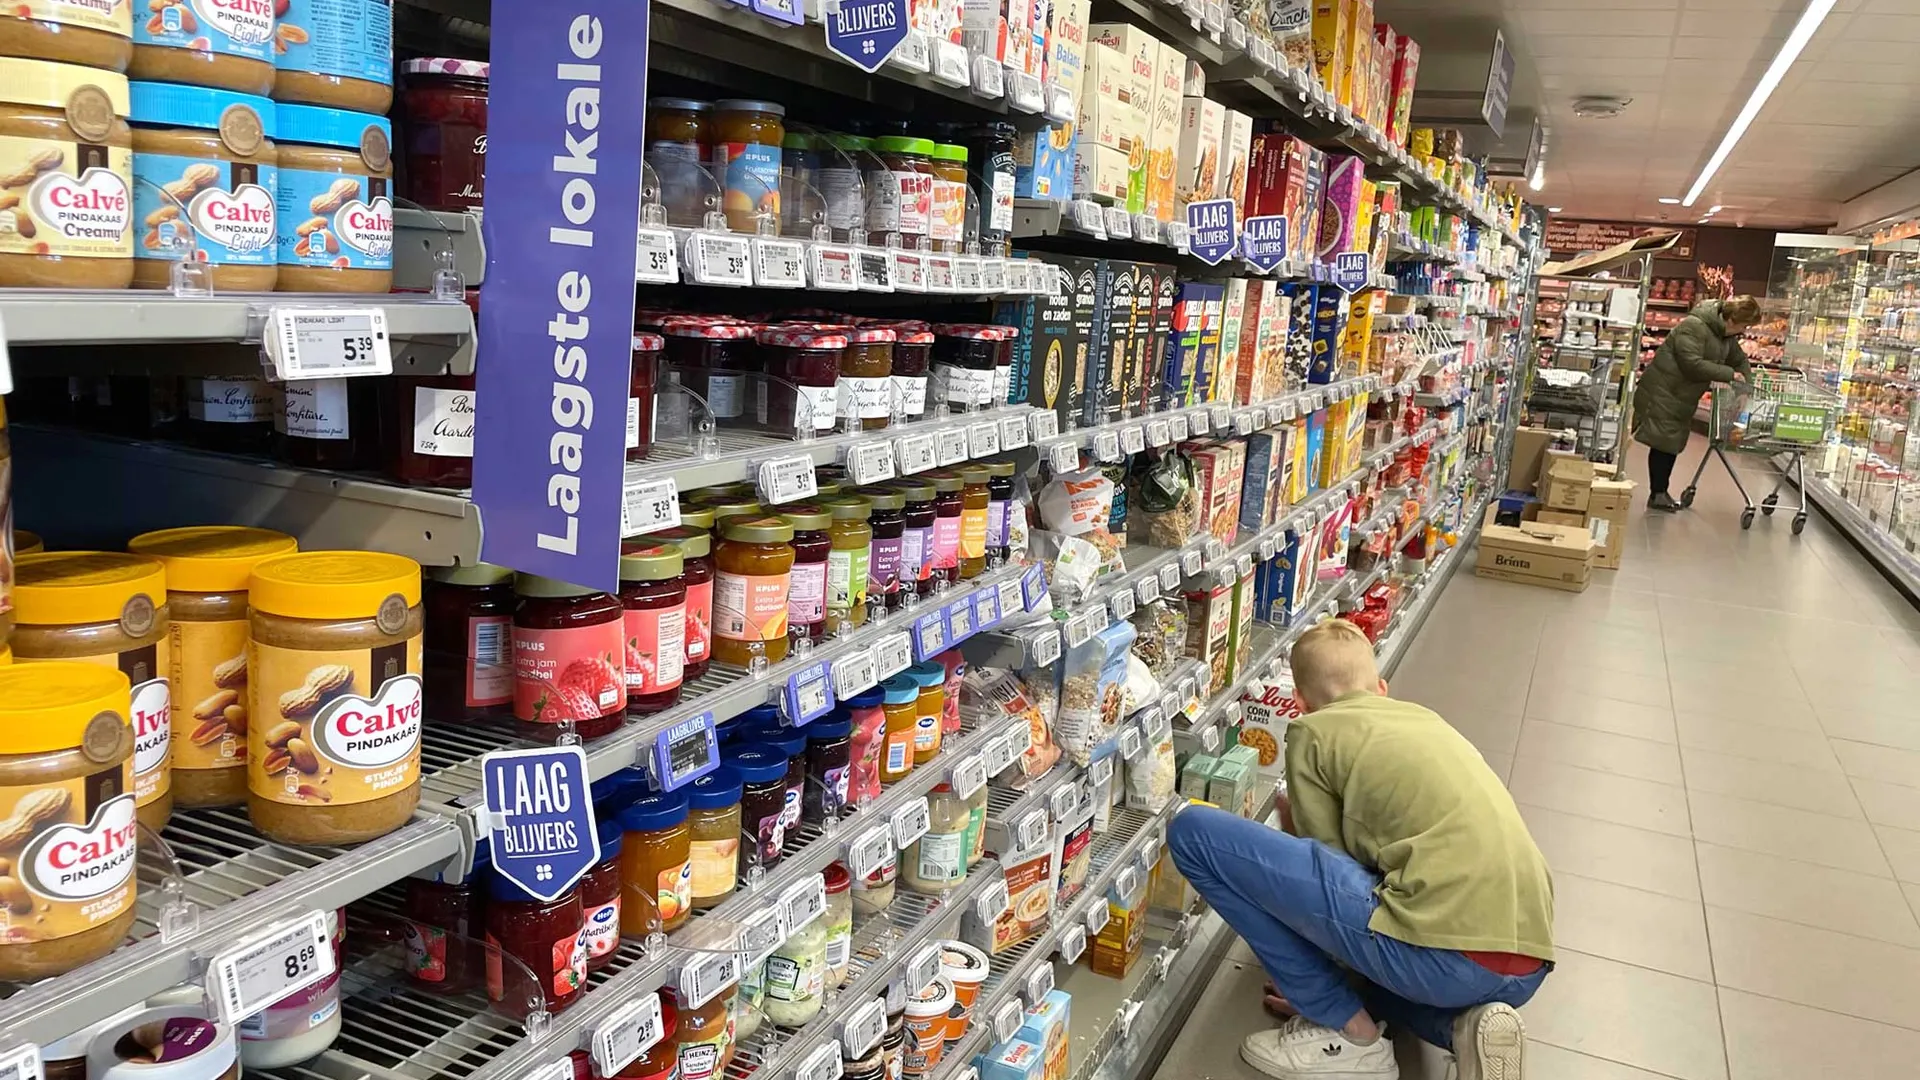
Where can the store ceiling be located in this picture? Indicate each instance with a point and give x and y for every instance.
(1845, 120)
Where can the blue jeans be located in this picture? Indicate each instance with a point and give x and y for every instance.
(1303, 908)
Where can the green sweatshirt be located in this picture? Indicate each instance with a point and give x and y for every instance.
(1396, 787)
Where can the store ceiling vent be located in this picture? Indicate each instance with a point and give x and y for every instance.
(1599, 108)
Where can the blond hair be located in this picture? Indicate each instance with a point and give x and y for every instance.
(1332, 659)
(1744, 310)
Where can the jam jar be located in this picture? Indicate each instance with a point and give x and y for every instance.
(842, 159)
(963, 364)
(696, 554)
(234, 416)
(653, 591)
(568, 658)
(726, 507)
(714, 356)
(912, 362)
(949, 506)
(812, 549)
(886, 521)
(445, 105)
(713, 820)
(640, 390)
(999, 508)
(974, 519)
(929, 709)
(947, 212)
(829, 754)
(802, 364)
(792, 742)
(444, 923)
(990, 150)
(431, 441)
(329, 423)
(752, 569)
(896, 759)
(600, 890)
(746, 160)
(909, 162)
(679, 143)
(546, 938)
(916, 535)
(763, 802)
(866, 377)
(656, 869)
(469, 633)
(847, 569)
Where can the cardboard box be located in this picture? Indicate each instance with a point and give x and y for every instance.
(1566, 483)
(1139, 339)
(1067, 45)
(1203, 124)
(1305, 241)
(1081, 349)
(1329, 46)
(1607, 520)
(1100, 174)
(1536, 553)
(1356, 19)
(1290, 24)
(1232, 320)
(1046, 351)
(1570, 518)
(1406, 69)
(1163, 133)
(1015, 1059)
(1277, 174)
(1340, 204)
(1237, 151)
(1609, 497)
(1167, 287)
(1138, 54)
(1043, 162)
(1105, 107)
(1106, 383)
(1529, 453)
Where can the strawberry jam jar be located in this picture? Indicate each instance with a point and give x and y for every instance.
(444, 102)
(653, 590)
(569, 658)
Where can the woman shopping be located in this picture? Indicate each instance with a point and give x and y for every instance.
(1704, 349)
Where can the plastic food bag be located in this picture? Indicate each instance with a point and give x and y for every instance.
(1092, 695)
(1161, 635)
(1165, 500)
(1140, 687)
(990, 695)
(1153, 776)
(1073, 565)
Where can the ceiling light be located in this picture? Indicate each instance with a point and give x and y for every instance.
(1670, 202)
(1553, 209)
(1803, 31)
(1716, 209)
(1539, 177)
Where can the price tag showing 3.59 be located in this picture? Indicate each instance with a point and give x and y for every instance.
(910, 823)
(290, 956)
(779, 264)
(329, 343)
(632, 1029)
(783, 480)
(720, 259)
(983, 440)
(950, 445)
(659, 262)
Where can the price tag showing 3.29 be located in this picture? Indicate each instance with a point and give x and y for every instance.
(659, 262)
(783, 480)
(649, 506)
(290, 956)
(329, 343)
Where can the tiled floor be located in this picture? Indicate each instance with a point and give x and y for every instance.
(1718, 749)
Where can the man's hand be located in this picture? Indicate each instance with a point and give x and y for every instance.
(1285, 807)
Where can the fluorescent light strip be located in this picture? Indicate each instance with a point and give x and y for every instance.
(1803, 32)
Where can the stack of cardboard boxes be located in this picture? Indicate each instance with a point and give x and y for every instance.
(1562, 517)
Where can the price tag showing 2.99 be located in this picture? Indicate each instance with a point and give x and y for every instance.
(329, 343)
(291, 956)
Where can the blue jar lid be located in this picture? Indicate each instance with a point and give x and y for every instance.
(654, 813)
(866, 699)
(837, 724)
(790, 741)
(194, 106)
(901, 689)
(327, 127)
(762, 714)
(719, 788)
(609, 831)
(928, 673)
(757, 765)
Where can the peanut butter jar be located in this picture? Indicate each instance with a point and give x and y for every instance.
(108, 608)
(334, 695)
(228, 44)
(204, 175)
(68, 830)
(333, 206)
(66, 177)
(207, 571)
(97, 35)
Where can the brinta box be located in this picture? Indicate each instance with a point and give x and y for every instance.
(1536, 553)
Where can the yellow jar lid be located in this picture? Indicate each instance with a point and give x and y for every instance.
(26, 543)
(50, 706)
(333, 584)
(65, 588)
(54, 86)
(212, 558)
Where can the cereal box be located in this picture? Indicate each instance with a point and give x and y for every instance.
(1202, 131)
(1163, 133)
(1209, 625)
(1103, 104)
(1043, 162)
(1276, 311)
(1315, 447)
(1340, 204)
(1030, 892)
(1329, 43)
(1247, 381)
(1137, 81)
(1237, 147)
(1167, 288)
(1406, 67)
(1267, 707)
(1327, 304)
(1303, 221)
(1263, 494)
(1278, 174)
(1206, 385)
(1232, 314)
(1100, 174)
(1067, 45)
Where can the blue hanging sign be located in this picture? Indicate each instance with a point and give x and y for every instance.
(1263, 240)
(1352, 270)
(1210, 230)
(865, 32)
(540, 817)
(556, 313)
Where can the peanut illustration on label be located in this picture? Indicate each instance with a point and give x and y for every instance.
(321, 683)
(344, 190)
(34, 809)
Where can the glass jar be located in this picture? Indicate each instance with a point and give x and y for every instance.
(964, 355)
(947, 221)
(949, 505)
(656, 868)
(752, 574)
(1003, 366)
(445, 104)
(696, 554)
(763, 802)
(974, 515)
(916, 535)
(640, 390)
(807, 601)
(569, 659)
(678, 129)
(938, 860)
(897, 760)
(867, 744)
(724, 506)
(841, 184)
(910, 163)
(873, 894)
(328, 423)
(886, 521)
(999, 505)
(803, 365)
(839, 923)
(866, 377)
(706, 1037)
(829, 755)
(954, 663)
(469, 637)
(800, 159)
(430, 443)
(929, 705)
(912, 362)
(976, 827)
(847, 562)
(797, 975)
(713, 822)
(746, 158)
(712, 356)
(661, 1061)
(991, 150)
(654, 593)
(791, 742)
(547, 936)
(600, 890)
(233, 416)
(445, 921)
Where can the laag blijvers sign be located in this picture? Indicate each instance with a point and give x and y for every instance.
(866, 32)
(1210, 235)
(556, 313)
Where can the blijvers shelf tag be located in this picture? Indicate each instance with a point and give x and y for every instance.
(329, 343)
(809, 694)
(540, 817)
(1062, 800)
(684, 752)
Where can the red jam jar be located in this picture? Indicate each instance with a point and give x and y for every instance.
(545, 937)
(468, 663)
(432, 431)
(600, 899)
(912, 361)
(569, 658)
(696, 553)
(714, 354)
(803, 364)
(444, 103)
(654, 593)
(866, 377)
(445, 921)
(949, 507)
(807, 586)
(640, 390)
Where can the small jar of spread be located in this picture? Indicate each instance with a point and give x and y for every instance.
(328, 423)
(713, 822)
(803, 366)
(68, 171)
(912, 362)
(444, 923)
(947, 221)
(679, 147)
(796, 976)
(729, 506)
(432, 430)
(234, 416)
(95, 37)
(800, 159)
(110, 609)
(916, 535)
(949, 505)
(445, 105)
(829, 753)
(66, 752)
(999, 505)
(847, 561)
(469, 640)
(868, 744)
(641, 383)
(840, 183)
(866, 377)
(207, 572)
(897, 759)
(929, 709)
(763, 802)
(974, 519)
(170, 1042)
(204, 174)
(334, 695)
(937, 861)
(839, 923)
(696, 554)
(653, 590)
(569, 658)
(790, 742)
(752, 575)
(909, 165)
(656, 871)
(229, 46)
(964, 355)
(334, 205)
(537, 955)
(600, 890)
(337, 53)
(746, 159)
(706, 1036)
(714, 357)
(887, 522)
(807, 589)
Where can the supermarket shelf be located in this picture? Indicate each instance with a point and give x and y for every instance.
(1428, 591)
(122, 316)
(1896, 563)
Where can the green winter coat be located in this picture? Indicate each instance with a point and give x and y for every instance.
(1697, 354)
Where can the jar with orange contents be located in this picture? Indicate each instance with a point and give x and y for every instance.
(974, 497)
(752, 569)
(930, 702)
(746, 153)
(902, 712)
(656, 871)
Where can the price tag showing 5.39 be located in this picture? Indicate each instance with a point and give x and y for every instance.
(290, 956)
(329, 343)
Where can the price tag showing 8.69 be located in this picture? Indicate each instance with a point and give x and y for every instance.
(291, 956)
(329, 343)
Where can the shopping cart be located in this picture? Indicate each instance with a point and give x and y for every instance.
(1780, 413)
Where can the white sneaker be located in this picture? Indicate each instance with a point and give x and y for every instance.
(1490, 1043)
(1300, 1049)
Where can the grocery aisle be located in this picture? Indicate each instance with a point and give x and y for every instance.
(1718, 749)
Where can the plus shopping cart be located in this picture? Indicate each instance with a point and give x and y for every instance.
(1781, 413)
